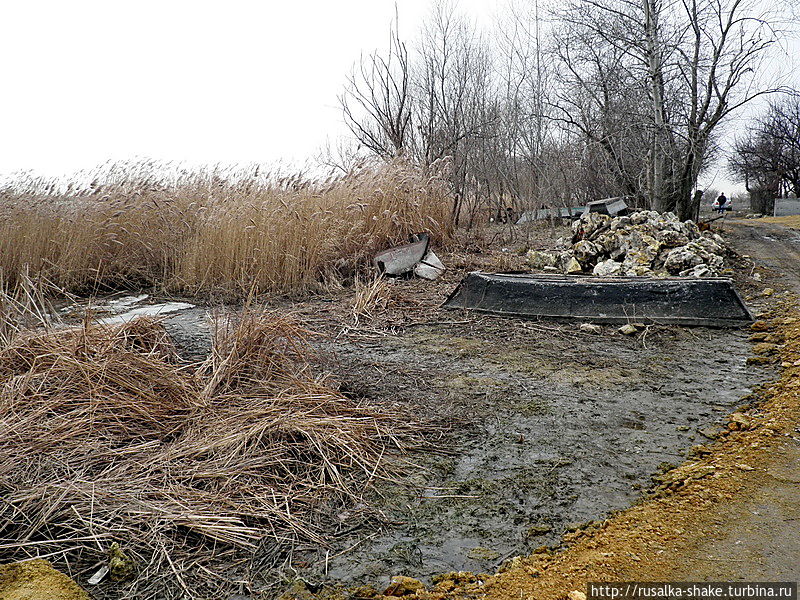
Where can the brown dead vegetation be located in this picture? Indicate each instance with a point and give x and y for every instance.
(213, 232)
(203, 474)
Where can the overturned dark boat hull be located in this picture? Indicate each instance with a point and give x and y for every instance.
(711, 302)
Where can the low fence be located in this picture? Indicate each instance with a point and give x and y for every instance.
(785, 207)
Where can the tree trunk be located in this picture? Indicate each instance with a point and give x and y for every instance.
(685, 201)
(696, 200)
(658, 201)
(762, 200)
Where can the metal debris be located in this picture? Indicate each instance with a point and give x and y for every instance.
(416, 257)
(564, 212)
(430, 267)
(608, 206)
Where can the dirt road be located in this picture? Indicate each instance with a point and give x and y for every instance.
(757, 537)
(770, 245)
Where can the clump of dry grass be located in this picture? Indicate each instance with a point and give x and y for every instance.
(204, 475)
(25, 305)
(62, 387)
(213, 232)
(371, 295)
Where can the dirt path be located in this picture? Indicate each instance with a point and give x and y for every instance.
(770, 245)
(755, 538)
(758, 536)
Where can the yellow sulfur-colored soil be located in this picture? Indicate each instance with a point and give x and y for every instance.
(37, 580)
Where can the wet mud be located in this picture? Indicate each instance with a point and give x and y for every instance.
(552, 428)
(549, 427)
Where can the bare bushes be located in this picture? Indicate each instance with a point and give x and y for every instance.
(201, 474)
(199, 232)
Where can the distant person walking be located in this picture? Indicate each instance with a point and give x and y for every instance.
(721, 204)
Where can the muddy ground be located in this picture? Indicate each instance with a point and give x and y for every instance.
(557, 429)
(549, 426)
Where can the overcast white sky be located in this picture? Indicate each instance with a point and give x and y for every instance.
(195, 80)
(85, 81)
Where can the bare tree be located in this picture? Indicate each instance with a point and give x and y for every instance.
(629, 100)
(700, 59)
(377, 102)
(725, 44)
(453, 89)
(342, 157)
(783, 125)
(767, 159)
(602, 97)
(524, 127)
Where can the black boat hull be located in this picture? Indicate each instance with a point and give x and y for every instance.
(710, 302)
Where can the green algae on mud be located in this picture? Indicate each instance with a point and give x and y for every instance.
(530, 357)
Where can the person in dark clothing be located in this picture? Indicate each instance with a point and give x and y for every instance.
(721, 204)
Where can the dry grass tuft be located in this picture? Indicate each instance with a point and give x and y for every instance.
(25, 305)
(371, 295)
(216, 232)
(60, 388)
(204, 475)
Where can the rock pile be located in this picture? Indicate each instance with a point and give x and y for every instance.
(644, 243)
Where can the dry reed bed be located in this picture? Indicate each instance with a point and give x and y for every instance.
(204, 474)
(25, 305)
(213, 232)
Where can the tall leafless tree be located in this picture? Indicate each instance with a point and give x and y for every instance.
(767, 158)
(377, 103)
(629, 100)
(725, 43)
(700, 59)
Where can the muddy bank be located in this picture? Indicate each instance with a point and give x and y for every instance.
(727, 514)
(553, 427)
(550, 426)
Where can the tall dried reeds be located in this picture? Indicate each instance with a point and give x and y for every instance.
(213, 232)
(203, 474)
(370, 295)
(25, 304)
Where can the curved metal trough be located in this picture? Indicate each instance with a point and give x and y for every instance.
(711, 302)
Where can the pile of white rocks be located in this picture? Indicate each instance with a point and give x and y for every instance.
(645, 243)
